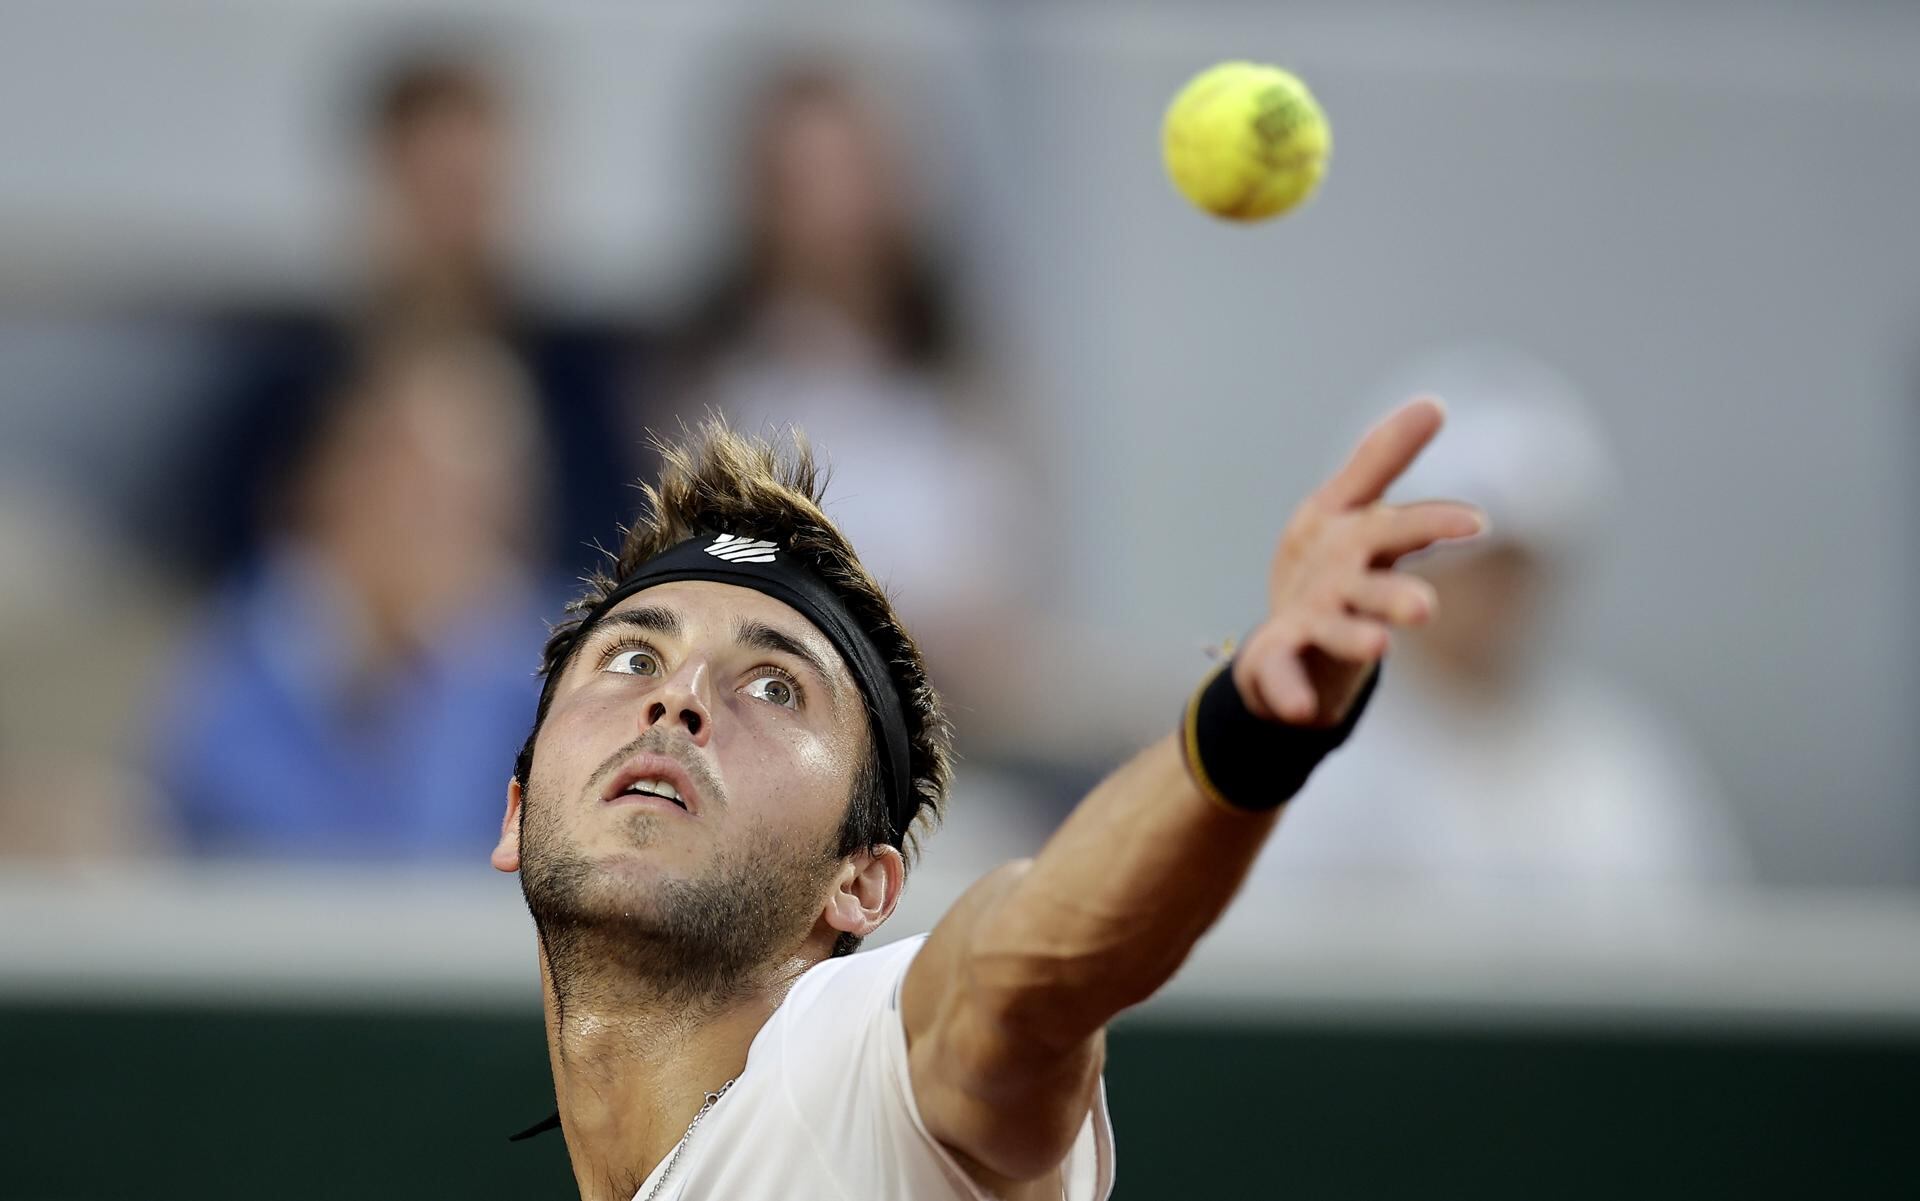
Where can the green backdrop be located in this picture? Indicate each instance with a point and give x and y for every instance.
(126, 1101)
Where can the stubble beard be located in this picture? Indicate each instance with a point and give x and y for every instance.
(696, 943)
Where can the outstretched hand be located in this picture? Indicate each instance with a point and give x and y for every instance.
(1333, 593)
(1147, 862)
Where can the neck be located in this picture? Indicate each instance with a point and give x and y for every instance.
(413, 277)
(632, 1063)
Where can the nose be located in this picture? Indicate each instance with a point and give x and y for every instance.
(682, 699)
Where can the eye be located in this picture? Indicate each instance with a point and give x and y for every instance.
(776, 689)
(635, 662)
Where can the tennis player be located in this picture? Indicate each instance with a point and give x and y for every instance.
(735, 749)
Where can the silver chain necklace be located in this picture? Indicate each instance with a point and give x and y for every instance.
(713, 1099)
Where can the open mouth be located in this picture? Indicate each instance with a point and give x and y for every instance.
(662, 789)
(657, 776)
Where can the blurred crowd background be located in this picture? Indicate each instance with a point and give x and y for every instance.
(332, 335)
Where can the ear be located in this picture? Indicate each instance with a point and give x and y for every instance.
(866, 890)
(506, 856)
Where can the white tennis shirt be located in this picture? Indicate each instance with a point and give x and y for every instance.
(824, 1110)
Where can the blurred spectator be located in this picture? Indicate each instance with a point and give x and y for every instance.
(436, 142)
(1489, 761)
(82, 627)
(87, 612)
(835, 318)
(351, 691)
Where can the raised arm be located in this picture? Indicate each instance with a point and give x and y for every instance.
(1006, 1006)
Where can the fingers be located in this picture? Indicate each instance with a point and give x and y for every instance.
(1388, 449)
(1398, 530)
(1393, 597)
(1330, 604)
(1274, 684)
(1354, 639)
(1271, 670)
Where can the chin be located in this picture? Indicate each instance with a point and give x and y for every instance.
(618, 889)
(628, 877)
(635, 866)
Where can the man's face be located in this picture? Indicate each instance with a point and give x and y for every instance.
(729, 701)
(832, 201)
(1490, 598)
(448, 171)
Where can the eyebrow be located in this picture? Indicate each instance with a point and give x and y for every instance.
(655, 619)
(761, 636)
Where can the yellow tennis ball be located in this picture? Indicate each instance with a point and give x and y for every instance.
(1245, 141)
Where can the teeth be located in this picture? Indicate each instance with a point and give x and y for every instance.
(656, 787)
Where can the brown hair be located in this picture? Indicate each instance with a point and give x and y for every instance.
(425, 84)
(920, 326)
(716, 478)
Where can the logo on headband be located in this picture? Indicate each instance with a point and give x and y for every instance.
(735, 549)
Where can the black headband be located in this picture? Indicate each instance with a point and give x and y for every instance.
(765, 567)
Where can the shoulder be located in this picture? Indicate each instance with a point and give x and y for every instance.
(838, 1048)
(841, 993)
(834, 1056)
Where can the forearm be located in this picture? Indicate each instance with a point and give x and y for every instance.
(1005, 1006)
(1114, 902)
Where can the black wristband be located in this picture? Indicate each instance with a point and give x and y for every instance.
(1246, 762)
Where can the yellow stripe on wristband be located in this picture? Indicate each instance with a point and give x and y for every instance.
(1190, 746)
